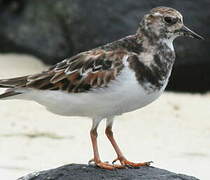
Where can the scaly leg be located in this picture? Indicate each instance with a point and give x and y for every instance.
(96, 159)
(120, 155)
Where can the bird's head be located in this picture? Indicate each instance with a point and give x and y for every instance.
(165, 23)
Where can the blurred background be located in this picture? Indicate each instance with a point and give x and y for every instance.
(174, 131)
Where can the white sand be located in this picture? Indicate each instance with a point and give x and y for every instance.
(174, 132)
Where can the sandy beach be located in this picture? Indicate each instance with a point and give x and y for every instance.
(174, 132)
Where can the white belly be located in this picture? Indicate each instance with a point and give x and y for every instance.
(121, 96)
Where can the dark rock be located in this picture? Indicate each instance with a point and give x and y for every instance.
(85, 172)
(53, 30)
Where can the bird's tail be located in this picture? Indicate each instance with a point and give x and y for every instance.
(9, 93)
(12, 84)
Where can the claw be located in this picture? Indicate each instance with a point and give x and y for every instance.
(105, 166)
(125, 162)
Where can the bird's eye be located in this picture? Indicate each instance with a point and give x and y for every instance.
(170, 20)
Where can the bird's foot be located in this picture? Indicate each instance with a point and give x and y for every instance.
(125, 162)
(105, 165)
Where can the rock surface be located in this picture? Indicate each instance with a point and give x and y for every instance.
(85, 172)
(53, 30)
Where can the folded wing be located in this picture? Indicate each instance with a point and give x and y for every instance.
(80, 73)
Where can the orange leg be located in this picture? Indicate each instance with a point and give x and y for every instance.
(96, 159)
(120, 155)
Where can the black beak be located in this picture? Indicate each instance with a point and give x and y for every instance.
(189, 33)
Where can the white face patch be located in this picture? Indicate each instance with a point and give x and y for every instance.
(169, 43)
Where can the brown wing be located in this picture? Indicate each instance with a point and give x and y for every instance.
(80, 73)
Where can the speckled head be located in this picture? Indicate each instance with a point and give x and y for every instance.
(165, 23)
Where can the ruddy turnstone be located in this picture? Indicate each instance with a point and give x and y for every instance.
(110, 80)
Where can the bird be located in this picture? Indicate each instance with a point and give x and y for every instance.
(107, 81)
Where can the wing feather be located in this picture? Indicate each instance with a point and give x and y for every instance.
(91, 69)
